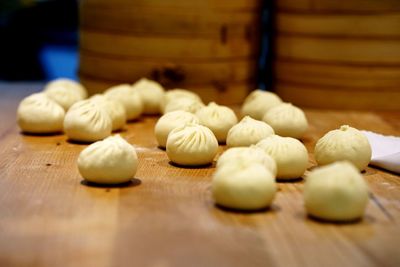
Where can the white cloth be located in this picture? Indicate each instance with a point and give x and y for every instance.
(385, 151)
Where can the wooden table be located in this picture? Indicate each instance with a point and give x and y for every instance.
(166, 216)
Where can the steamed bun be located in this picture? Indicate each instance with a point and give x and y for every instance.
(219, 119)
(258, 102)
(183, 103)
(173, 94)
(170, 121)
(287, 120)
(248, 132)
(65, 92)
(130, 98)
(115, 110)
(151, 93)
(336, 192)
(69, 84)
(346, 143)
(251, 154)
(86, 121)
(243, 186)
(290, 155)
(111, 161)
(191, 145)
(39, 114)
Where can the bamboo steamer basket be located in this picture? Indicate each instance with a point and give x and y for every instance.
(164, 47)
(332, 54)
(193, 71)
(210, 46)
(339, 50)
(339, 7)
(340, 25)
(353, 77)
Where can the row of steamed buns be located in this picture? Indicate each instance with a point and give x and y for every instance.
(62, 106)
(265, 141)
(245, 179)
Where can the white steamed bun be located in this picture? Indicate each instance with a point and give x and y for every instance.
(86, 121)
(258, 102)
(111, 161)
(151, 93)
(173, 94)
(336, 192)
(170, 121)
(65, 92)
(68, 83)
(287, 120)
(39, 114)
(130, 98)
(251, 154)
(219, 119)
(248, 132)
(183, 103)
(115, 110)
(346, 143)
(290, 155)
(191, 145)
(243, 186)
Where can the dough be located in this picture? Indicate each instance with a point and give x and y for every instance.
(287, 120)
(346, 143)
(151, 93)
(258, 102)
(191, 145)
(86, 121)
(130, 98)
(115, 110)
(243, 186)
(178, 93)
(39, 114)
(219, 119)
(248, 132)
(69, 84)
(336, 192)
(251, 154)
(183, 103)
(170, 121)
(65, 92)
(290, 155)
(111, 161)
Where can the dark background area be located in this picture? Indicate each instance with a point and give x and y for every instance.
(38, 39)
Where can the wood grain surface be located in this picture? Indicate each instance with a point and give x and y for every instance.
(114, 68)
(175, 21)
(166, 216)
(342, 7)
(338, 54)
(378, 52)
(372, 26)
(213, 5)
(320, 96)
(360, 77)
(149, 45)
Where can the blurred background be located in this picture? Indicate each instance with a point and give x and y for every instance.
(313, 53)
(39, 40)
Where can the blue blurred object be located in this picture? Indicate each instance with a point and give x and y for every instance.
(59, 61)
(39, 39)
